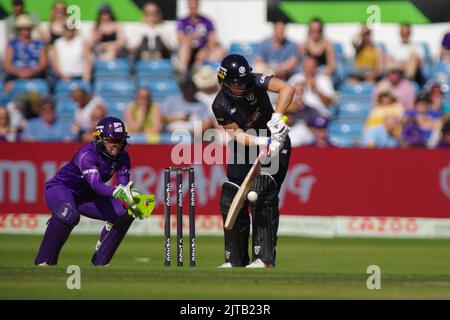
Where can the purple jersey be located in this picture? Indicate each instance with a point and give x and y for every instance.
(88, 171)
(202, 26)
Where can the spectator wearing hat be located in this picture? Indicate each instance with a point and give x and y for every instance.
(277, 53)
(444, 141)
(403, 88)
(72, 57)
(319, 128)
(143, 115)
(385, 135)
(47, 127)
(153, 38)
(108, 38)
(318, 91)
(24, 58)
(205, 80)
(18, 9)
(386, 106)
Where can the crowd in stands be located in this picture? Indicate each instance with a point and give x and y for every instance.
(56, 84)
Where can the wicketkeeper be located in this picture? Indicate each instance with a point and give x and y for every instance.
(79, 189)
(243, 103)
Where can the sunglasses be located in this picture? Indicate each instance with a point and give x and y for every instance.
(114, 141)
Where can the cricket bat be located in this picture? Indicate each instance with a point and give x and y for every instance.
(241, 195)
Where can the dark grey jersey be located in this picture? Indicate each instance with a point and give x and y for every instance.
(251, 113)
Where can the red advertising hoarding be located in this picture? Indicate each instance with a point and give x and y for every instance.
(320, 182)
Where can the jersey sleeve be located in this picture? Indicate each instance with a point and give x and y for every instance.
(262, 80)
(222, 116)
(90, 173)
(123, 170)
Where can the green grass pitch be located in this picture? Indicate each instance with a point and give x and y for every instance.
(307, 268)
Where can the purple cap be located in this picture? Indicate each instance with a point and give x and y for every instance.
(318, 122)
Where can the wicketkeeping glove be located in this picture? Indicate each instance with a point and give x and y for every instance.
(123, 193)
(145, 203)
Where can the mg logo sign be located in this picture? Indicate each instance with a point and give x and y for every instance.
(444, 179)
(17, 172)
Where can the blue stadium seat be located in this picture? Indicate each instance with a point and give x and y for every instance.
(105, 69)
(247, 49)
(160, 89)
(65, 109)
(358, 89)
(154, 69)
(64, 88)
(116, 87)
(349, 128)
(116, 106)
(357, 108)
(343, 141)
(30, 85)
(441, 70)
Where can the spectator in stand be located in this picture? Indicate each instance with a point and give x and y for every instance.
(180, 111)
(18, 9)
(385, 135)
(46, 127)
(445, 48)
(25, 58)
(7, 133)
(98, 113)
(299, 117)
(86, 104)
(428, 120)
(407, 55)
(205, 80)
(143, 115)
(403, 89)
(318, 90)
(444, 141)
(321, 49)
(108, 37)
(319, 128)
(277, 53)
(196, 39)
(153, 40)
(412, 135)
(56, 25)
(435, 95)
(72, 57)
(369, 60)
(23, 107)
(386, 106)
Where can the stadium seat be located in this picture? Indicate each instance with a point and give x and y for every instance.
(64, 88)
(359, 89)
(65, 109)
(116, 106)
(154, 69)
(117, 87)
(105, 69)
(441, 70)
(343, 141)
(356, 108)
(30, 85)
(160, 89)
(247, 49)
(349, 128)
